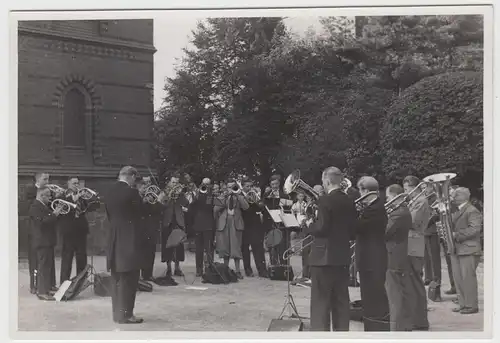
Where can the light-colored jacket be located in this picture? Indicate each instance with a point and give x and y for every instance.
(420, 214)
(467, 223)
(221, 212)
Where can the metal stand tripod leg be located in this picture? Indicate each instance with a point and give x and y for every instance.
(289, 302)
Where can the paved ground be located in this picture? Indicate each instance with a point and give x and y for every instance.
(248, 305)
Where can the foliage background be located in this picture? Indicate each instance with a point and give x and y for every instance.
(396, 95)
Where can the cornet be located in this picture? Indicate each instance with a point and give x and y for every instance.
(86, 193)
(252, 196)
(152, 194)
(66, 206)
(55, 188)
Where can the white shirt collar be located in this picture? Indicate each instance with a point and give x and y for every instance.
(124, 181)
(36, 185)
(462, 205)
(331, 190)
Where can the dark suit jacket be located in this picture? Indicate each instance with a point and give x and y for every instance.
(202, 209)
(251, 216)
(29, 198)
(371, 253)
(332, 230)
(71, 226)
(396, 238)
(124, 208)
(173, 212)
(43, 225)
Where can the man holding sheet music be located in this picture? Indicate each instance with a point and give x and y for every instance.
(330, 256)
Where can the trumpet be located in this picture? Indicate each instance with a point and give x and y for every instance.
(55, 188)
(203, 189)
(86, 193)
(298, 247)
(66, 206)
(236, 189)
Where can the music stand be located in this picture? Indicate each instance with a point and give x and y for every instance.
(289, 221)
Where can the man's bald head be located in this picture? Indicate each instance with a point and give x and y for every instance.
(367, 184)
(332, 178)
(461, 195)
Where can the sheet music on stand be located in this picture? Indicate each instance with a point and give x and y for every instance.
(282, 217)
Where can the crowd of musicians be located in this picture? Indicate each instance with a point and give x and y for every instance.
(232, 218)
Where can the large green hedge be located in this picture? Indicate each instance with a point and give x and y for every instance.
(436, 125)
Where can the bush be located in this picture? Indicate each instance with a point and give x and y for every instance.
(436, 126)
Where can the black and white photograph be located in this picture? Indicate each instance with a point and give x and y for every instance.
(254, 171)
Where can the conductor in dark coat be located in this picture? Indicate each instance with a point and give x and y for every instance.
(43, 236)
(330, 257)
(371, 257)
(124, 210)
(397, 281)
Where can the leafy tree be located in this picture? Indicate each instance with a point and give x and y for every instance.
(437, 126)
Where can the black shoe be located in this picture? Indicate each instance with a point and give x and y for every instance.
(427, 282)
(33, 290)
(451, 291)
(148, 278)
(199, 273)
(178, 272)
(469, 310)
(239, 276)
(263, 274)
(131, 320)
(249, 272)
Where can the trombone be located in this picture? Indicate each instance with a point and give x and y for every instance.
(65, 206)
(298, 247)
(390, 207)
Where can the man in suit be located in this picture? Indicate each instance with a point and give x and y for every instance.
(467, 224)
(370, 242)
(41, 179)
(203, 225)
(397, 282)
(274, 198)
(329, 258)
(151, 226)
(124, 208)
(421, 214)
(173, 218)
(253, 235)
(74, 229)
(432, 258)
(43, 235)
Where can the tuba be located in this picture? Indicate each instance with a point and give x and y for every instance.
(293, 183)
(66, 205)
(441, 185)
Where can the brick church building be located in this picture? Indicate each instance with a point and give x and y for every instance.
(85, 105)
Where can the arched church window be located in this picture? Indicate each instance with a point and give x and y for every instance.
(74, 123)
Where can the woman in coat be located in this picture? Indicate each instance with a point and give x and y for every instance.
(229, 234)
